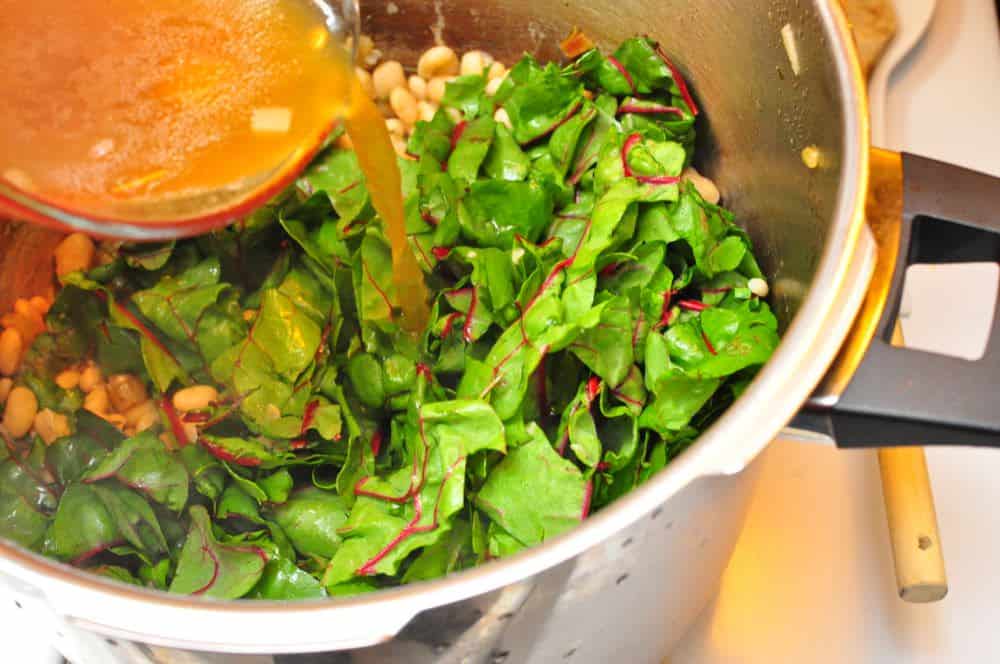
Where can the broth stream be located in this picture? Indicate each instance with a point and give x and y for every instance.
(147, 110)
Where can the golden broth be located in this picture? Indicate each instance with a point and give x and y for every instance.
(119, 109)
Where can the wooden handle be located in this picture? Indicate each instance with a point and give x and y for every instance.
(913, 527)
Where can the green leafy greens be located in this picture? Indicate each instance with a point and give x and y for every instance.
(591, 316)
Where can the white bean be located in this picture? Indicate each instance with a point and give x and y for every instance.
(23, 306)
(395, 126)
(11, 347)
(139, 412)
(68, 379)
(20, 410)
(90, 378)
(97, 400)
(503, 118)
(493, 86)
(191, 432)
(404, 105)
(115, 419)
(148, 420)
(497, 70)
(436, 88)
(418, 86)
(51, 426)
(438, 61)
(365, 79)
(475, 62)
(32, 319)
(399, 145)
(73, 254)
(41, 304)
(387, 77)
(426, 110)
(705, 186)
(759, 287)
(126, 391)
(198, 397)
(366, 45)
(811, 157)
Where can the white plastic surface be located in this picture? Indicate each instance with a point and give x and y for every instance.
(912, 25)
(812, 579)
(24, 640)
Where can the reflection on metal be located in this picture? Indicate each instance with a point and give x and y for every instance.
(802, 435)
(884, 212)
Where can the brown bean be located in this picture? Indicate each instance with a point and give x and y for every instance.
(19, 412)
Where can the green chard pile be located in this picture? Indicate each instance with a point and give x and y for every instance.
(591, 316)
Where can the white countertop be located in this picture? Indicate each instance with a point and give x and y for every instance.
(812, 579)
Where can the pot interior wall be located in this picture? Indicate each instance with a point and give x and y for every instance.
(758, 114)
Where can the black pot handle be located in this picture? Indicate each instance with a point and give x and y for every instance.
(899, 396)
